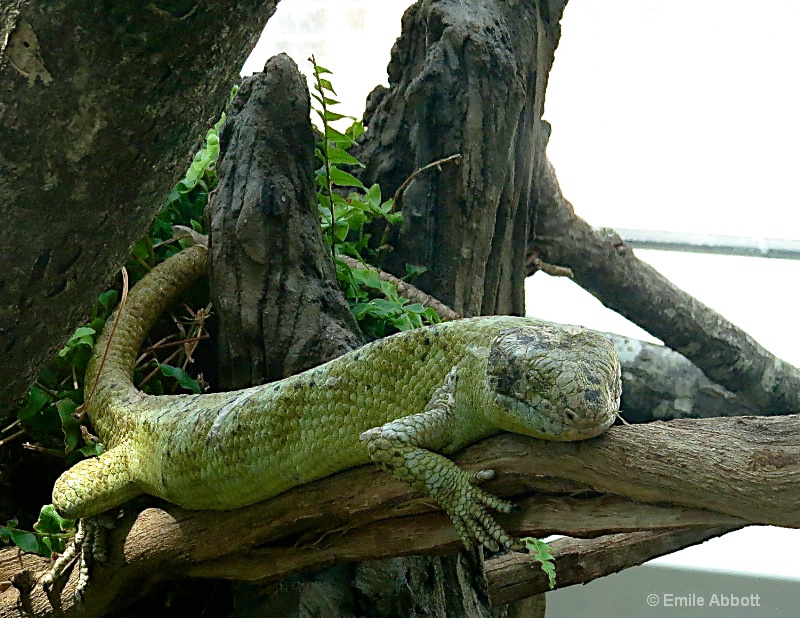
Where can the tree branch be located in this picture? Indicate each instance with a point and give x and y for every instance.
(516, 576)
(360, 514)
(605, 266)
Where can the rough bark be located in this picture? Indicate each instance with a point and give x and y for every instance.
(468, 78)
(101, 106)
(660, 384)
(360, 514)
(272, 281)
(605, 266)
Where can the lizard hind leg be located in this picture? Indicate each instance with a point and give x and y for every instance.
(93, 486)
(86, 492)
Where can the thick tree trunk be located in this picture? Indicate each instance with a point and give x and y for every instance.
(272, 281)
(101, 105)
(467, 78)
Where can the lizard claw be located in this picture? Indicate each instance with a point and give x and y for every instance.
(89, 545)
(467, 505)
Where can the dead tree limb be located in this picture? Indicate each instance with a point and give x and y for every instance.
(605, 266)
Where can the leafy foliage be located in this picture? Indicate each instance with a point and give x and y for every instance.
(541, 553)
(49, 535)
(376, 304)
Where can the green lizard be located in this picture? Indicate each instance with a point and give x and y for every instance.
(393, 401)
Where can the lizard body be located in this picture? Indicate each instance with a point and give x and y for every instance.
(393, 401)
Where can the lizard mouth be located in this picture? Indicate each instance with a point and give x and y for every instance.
(542, 419)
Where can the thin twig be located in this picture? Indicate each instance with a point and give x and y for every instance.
(45, 451)
(455, 158)
(11, 426)
(13, 436)
(163, 342)
(171, 344)
(398, 195)
(535, 263)
(150, 375)
(169, 241)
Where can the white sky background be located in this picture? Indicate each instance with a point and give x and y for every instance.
(677, 115)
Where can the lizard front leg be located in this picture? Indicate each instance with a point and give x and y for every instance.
(401, 448)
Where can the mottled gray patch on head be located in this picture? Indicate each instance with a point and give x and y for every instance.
(592, 395)
(505, 370)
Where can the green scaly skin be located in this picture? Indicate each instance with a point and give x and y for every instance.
(393, 401)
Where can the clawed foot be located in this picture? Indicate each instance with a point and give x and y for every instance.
(466, 504)
(89, 545)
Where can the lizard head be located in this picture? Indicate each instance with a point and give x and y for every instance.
(553, 382)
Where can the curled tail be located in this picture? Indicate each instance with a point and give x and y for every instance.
(109, 375)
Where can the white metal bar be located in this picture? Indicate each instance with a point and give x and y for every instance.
(712, 243)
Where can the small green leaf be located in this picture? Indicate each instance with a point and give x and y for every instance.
(337, 137)
(81, 336)
(337, 155)
(50, 522)
(37, 399)
(341, 229)
(108, 299)
(394, 217)
(184, 379)
(355, 129)
(324, 84)
(341, 178)
(26, 541)
(415, 270)
(431, 316)
(373, 195)
(367, 277)
(83, 331)
(541, 553)
(333, 116)
(69, 425)
(93, 449)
